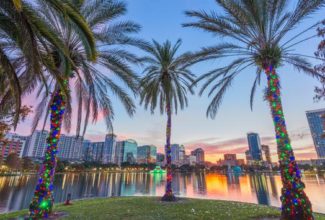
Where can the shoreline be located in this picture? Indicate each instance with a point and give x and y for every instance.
(145, 171)
(154, 208)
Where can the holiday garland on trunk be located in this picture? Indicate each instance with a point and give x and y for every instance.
(169, 196)
(295, 203)
(42, 203)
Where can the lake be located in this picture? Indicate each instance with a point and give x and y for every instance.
(17, 191)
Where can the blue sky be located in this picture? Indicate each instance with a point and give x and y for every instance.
(161, 20)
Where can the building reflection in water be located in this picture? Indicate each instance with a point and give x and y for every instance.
(259, 186)
(273, 186)
(200, 185)
(233, 182)
(16, 192)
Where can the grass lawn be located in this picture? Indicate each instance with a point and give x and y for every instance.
(142, 208)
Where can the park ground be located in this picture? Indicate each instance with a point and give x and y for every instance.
(143, 208)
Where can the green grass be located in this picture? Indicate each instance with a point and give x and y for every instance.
(143, 208)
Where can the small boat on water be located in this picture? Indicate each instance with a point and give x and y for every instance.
(158, 170)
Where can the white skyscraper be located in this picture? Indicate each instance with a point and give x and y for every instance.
(37, 144)
(181, 155)
(69, 148)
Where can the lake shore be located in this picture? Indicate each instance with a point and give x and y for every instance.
(147, 171)
(140, 208)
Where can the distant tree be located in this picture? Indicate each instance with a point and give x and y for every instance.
(125, 164)
(1, 160)
(306, 167)
(7, 120)
(61, 166)
(199, 167)
(186, 168)
(37, 166)
(151, 166)
(27, 164)
(78, 167)
(13, 161)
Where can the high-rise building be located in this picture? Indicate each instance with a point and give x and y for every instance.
(254, 144)
(231, 160)
(14, 144)
(160, 159)
(181, 155)
(130, 151)
(175, 148)
(248, 157)
(147, 154)
(27, 140)
(86, 151)
(267, 153)
(109, 149)
(77, 149)
(317, 128)
(97, 151)
(119, 152)
(22, 138)
(126, 151)
(69, 147)
(37, 144)
(190, 160)
(199, 154)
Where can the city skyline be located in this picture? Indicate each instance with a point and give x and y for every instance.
(190, 127)
(110, 151)
(109, 145)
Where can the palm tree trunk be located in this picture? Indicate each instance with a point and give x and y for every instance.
(295, 203)
(169, 196)
(42, 203)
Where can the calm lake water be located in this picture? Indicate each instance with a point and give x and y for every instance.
(16, 192)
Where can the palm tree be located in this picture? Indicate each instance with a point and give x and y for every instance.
(320, 53)
(20, 30)
(257, 30)
(92, 85)
(165, 85)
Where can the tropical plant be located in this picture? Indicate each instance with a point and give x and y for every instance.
(13, 161)
(7, 120)
(27, 164)
(21, 29)
(320, 53)
(258, 31)
(165, 86)
(1, 160)
(84, 77)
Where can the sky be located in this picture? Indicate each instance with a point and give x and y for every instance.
(161, 20)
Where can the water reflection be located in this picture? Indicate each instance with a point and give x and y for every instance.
(16, 192)
(259, 186)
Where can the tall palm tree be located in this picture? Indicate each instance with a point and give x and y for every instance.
(258, 32)
(165, 86)
(320, 53)
(93, 81)
(20, 30)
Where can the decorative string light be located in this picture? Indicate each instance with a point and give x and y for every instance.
(169, 196)
(295, 203)
(42, 203)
